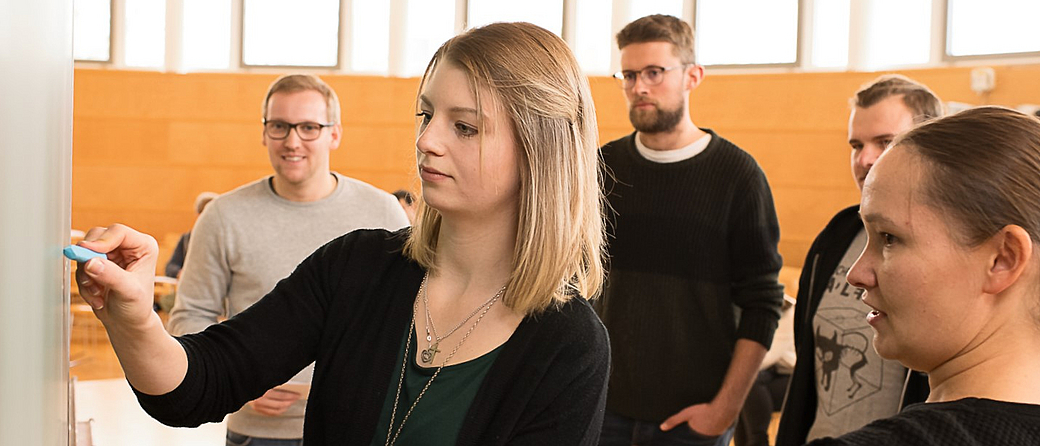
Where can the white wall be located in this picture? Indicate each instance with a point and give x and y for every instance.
(35, 179)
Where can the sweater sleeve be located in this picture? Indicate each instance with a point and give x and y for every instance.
(755, 262)
(234, 362)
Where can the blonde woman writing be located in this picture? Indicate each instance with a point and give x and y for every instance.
(471, 329)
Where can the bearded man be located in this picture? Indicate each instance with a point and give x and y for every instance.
(692, 298)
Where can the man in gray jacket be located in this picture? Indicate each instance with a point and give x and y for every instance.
(248, 239)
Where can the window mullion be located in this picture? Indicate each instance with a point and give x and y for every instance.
(174, 60)
(235, 54)
(117, 51)
(398, 26)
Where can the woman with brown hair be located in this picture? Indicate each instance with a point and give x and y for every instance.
(472, 328)
(952, 272)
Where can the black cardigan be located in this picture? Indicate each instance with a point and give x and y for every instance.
(345, 308)
(799, 411)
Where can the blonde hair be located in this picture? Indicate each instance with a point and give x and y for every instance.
(559, 241)
(292, 83)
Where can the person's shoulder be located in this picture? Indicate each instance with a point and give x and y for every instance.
(722, 147)
(903, 428)
(976, 409)
(969, 421)
(244, 195)
(374, 241)
(576, 321)
(618, 144)
(359, 189)
(846, 223)
(846, 217)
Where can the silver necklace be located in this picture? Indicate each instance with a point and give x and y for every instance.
(390, 440)
(432, 340)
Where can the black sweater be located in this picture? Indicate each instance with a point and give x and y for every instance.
(966, 422)
(345, 307)
(826, 252)
(688, 241)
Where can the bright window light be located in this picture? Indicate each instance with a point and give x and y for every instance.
(430, 23)
(206, 39)
(145, 33)
(592, 37)
(727, 34)
(899, 32)
(545, 13)
(370, 37)
(312, 42)
(643, 8)
(91, 27)
(992, 27)
(830, 34)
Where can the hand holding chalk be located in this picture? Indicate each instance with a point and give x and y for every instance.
(119, 284)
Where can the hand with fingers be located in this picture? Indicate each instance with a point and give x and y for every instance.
(119, 285)
(704, 419)
(274, 402)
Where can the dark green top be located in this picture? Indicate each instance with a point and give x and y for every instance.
(438, 416)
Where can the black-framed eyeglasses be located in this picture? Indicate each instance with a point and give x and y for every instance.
(307, 131)
(651, 75)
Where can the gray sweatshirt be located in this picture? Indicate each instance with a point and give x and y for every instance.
(250, 238)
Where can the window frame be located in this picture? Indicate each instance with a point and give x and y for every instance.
(239, 54)
(948, 58)
(939, 53)
(111, 40)
(799, 56)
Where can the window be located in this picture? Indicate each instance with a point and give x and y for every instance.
(313, 41)
(593, 40)
(975, 27)
(145, 36)
(370, 36)
(206, 36)
(429, 24)
(92, 26)
(740, 32)
(545, 13)
(899, 32)
(830, 34)
(643, 8)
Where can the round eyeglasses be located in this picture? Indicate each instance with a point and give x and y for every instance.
(307, 131)
(651, 75)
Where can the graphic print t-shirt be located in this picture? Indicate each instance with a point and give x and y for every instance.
(854, 385)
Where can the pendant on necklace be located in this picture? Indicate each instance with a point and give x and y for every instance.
(428, 354)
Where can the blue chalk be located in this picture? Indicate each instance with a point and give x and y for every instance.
(80, 254)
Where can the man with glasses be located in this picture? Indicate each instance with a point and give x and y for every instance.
(692, 298)
(248, 239)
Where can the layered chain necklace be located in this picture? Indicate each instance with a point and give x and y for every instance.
(432, 340)
(391, 434)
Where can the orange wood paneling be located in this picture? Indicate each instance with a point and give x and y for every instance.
(145, 143)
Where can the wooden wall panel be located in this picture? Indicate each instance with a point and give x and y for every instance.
(145, 143)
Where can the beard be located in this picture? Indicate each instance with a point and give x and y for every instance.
(657, 120)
